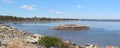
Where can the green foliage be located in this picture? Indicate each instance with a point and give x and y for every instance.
(49, 41)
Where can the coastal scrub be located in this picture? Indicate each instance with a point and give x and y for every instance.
(49, 41)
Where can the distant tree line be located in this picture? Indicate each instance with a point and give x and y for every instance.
(14, 18)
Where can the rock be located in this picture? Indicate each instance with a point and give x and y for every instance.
(7, 33)
(19, 43)
(111, 47)
(34, 38)
(37, 35)
(72, 45)
(90, 46)
(70, 27)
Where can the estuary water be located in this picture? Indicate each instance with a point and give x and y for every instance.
(102, 33)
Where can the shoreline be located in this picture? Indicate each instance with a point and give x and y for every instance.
(6, 18)
(29, 34)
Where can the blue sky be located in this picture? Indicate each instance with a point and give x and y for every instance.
(101, 9)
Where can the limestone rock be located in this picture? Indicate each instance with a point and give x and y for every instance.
(19, 43)
(34, 38)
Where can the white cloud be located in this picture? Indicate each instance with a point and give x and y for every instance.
(7, 1)
(28, 7)
(58, 12)
(55, 12)
(52, 11)
(79, 6)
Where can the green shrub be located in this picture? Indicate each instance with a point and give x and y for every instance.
(49, 41)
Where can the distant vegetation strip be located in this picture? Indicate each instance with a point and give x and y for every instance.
(22, 19)
(14, 18)
(115, 20)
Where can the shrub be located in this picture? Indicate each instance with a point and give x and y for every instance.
(49, 41)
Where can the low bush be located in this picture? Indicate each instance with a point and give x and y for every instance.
(49, 41)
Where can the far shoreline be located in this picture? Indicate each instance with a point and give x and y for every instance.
(15, 19)
(4, 18)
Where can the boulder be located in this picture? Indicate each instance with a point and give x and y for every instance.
(110, 47)
(34, 38)
(91, 46)
(19, 43)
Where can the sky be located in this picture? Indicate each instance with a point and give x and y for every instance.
(82, 9)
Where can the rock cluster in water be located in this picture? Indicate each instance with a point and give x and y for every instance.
(70, 27)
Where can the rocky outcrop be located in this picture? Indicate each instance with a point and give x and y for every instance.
(11, 37)
(70, 27)
(19, 43)
(7, 32)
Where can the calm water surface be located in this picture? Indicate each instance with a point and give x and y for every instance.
(100, 32)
